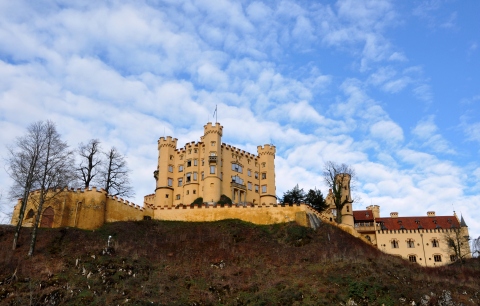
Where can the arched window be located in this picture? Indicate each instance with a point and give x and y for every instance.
(47, 217)
(30, 214)
(394, 243)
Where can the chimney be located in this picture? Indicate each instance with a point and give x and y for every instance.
(394, 215)
(431, 213)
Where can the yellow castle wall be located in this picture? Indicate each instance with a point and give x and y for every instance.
(82, 208)
(256, 214)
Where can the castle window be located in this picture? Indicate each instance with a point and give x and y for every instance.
(264, 175)
(264, 188)
(203, 162)
(189, 177)
(180, 182)
(188, 192)
(166, 196)
(256, 188)
(194, 176)
(171, 157)
(195, 162)
(453, 258)
(410, 243)
(190, 151)
(263, 165)
(394, 244)
(348, 208)
(170, 168)
(30, 214)
(180, 168)
(249, 172)
(237, 168)
(177, 197)
(237, 179)
(256, 175)
(435, 243)
(412, 258)
(170, 182)
(181, 156)
(189, 163)
(194, 191)
(213, 143)
(437, 258)
(249, 186)
(212, 169)
(203, 175)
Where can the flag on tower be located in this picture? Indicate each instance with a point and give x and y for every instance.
(214, 113)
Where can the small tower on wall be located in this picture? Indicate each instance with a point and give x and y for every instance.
(164, 174)
(266, 161)
(212, 140)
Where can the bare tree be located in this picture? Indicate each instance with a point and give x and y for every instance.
(339, 177)
(23, 167)
(115, 174)
(55, 172)
(457, 243)
(90, 162)
(476, 247)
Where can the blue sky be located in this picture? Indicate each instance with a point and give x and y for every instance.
(389, 87)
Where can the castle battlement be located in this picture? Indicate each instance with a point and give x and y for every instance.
(210, 128)
(266, 150)
(238, 151)
(167, 142)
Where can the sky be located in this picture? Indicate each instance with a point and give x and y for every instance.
(388, 87)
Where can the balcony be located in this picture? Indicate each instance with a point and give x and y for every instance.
(365, 226)
(212, 159)
(238, 186)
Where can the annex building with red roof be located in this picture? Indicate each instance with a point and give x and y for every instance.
(429, 240)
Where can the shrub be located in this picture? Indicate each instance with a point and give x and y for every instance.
(224, 200)
(198, 201)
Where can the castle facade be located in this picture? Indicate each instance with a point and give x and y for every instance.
(209, 168)
(422, 239)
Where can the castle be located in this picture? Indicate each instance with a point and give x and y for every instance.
(201, 172)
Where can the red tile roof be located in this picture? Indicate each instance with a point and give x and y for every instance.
(362, 215)
(411, 223)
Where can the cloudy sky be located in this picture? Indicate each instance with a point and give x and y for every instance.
(389, 87)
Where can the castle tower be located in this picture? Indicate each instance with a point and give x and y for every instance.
(212, 141)
(266, 160)
(375, 210)
(165, 177)
(347, 211)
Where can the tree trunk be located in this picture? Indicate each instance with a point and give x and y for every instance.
(23, 207)
(37, 222)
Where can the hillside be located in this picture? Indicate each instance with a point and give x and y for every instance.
(219, 263)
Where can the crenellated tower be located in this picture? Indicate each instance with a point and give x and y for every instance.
(164, 175)
(266, 162)
(212, 141)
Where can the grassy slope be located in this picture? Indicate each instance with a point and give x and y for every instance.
(220, 263)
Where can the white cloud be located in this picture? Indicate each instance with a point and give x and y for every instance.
(387, 131)
(426, 134)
